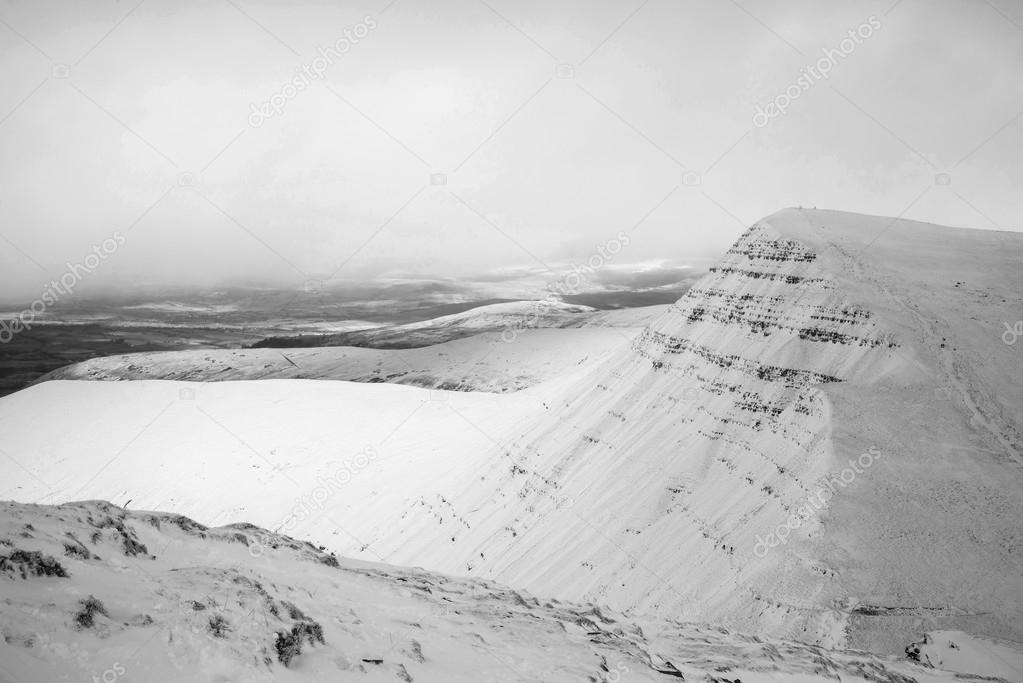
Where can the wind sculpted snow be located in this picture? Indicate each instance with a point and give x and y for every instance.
(820, 440)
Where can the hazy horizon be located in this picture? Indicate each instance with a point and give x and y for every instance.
(259, 142)
(511, 283)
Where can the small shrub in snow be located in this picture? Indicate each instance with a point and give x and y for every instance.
(86, 616)
(219, 626)
(32, 563)
(312, 631)
(78, 550)
(289, 644)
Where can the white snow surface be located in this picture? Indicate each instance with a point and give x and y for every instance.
(485, 362)
(173, 600)
(644, 481)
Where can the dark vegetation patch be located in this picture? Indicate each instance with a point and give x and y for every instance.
(238, 538)
(189, 526)
(218, 626)
(75, 548)
(86, 616)
(28, 563)
(288, 644)
(130, 543)
(293, 611)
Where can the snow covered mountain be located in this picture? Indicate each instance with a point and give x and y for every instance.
(822, 438)
(93, 592)
(821, 441)
(515, 355)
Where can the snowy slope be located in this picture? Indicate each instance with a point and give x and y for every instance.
(654, 480)
(92, 592)
(819, 337)
(250, 451)
(484, 362)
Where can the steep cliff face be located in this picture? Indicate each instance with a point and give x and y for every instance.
(822, 440)
(737, 462)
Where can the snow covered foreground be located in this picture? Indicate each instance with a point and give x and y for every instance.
(94, 592)
(820, 441)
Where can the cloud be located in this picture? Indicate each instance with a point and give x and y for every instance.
(648, 131)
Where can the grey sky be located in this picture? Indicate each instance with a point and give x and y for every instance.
(118, 115)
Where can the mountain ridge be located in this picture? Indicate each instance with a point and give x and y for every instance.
(649, 481)
(787, 377)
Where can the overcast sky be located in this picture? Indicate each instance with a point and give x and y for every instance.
(555, 123)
